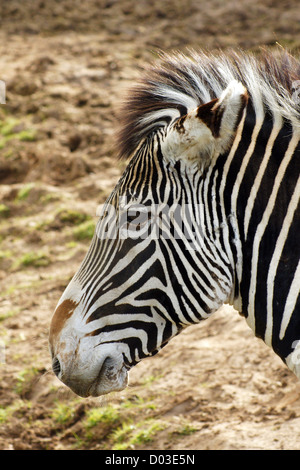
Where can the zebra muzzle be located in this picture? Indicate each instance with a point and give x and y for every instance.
(92, 378)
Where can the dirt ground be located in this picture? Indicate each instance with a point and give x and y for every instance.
(67, 65)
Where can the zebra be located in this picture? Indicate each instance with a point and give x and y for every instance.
(205, 213)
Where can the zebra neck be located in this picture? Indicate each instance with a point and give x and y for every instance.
(262, 193)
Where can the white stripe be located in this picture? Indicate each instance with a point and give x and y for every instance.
(115, 319)
(122, 335)
(224, 181)
(215, 231)
(168, 93)
(290, 302)
(263, 224)
(276, 258)
(248, 211)
(237, 184)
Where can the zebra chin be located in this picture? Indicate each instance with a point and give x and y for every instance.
(108, 380)
(111, 378)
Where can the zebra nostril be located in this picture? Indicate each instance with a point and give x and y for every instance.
(56, 366)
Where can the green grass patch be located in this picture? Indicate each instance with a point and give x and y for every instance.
(17, 407)
(120, 436)
(100, 422)
(4, 254)
(4, 211)
(104, 415)
(4, 415)
(9, 314)
(186, 430)
(152, 378)
(72, 217)
(9, 153)
(9, 126)
(63, 412)
(119, 426)
(71, 244)
(48, 198)
(23, 193)
(137, 402)
(28, 135)
(147, 433)
(32, 258)
(12, 128)
(25, 380)
(130, 436)
(85, 231)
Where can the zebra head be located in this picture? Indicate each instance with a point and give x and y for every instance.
(154, 265)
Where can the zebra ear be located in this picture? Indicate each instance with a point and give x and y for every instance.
(226, 113)
(208, 129)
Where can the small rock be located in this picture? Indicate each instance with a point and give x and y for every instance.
(74, 142)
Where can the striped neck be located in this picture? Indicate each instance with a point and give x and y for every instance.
(261, 198)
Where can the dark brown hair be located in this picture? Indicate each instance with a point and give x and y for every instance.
(176, 83)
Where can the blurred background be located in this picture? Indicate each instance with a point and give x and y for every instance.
(66, 65)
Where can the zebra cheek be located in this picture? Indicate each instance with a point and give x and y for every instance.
(189, 139)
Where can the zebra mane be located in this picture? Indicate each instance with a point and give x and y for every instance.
(178, 83)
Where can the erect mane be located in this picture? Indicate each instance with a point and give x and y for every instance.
(177, 83)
